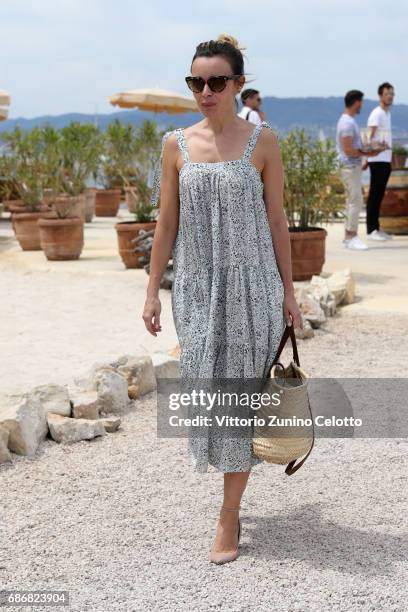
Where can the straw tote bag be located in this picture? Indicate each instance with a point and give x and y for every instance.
(293, 437)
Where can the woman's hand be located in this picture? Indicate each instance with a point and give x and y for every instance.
(151, 315)
(291, 311)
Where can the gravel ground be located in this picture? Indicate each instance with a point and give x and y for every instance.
(123, 523)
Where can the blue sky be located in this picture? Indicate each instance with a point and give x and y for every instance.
(60, 56)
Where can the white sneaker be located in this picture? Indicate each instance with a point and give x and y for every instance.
(376, 235)
(386, 236)
(355, 243)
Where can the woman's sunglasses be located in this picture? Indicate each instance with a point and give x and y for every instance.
(215, 83)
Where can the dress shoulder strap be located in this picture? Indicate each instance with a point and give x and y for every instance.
(182, 144)
(253, 140)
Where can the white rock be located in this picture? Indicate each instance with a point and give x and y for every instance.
(85, 404)
(23, 417)
(122, 360)
(306, 332)
(309, 307)
(319, 288)
(4, 451)
(341, 284)
(139, 372)
(329, 308)
(53, 398)
(68, 430)
(88, 382)
(112, 390)
(111, 424)
(84, 383)
(165, 366)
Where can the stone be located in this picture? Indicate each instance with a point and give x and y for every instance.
(111, 424)
(310, 307)
(306, 332)
(329, 308)
(4, 451)
(341, 284)
(139, 371)
(122, 360)
(320, 290)
(67, 430)
(85, 404)
(133, 392)
(165, 366)
(112, 390)
(22, 415)
(53, 398)
(88, 382)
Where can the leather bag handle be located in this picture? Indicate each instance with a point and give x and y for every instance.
(289, 332)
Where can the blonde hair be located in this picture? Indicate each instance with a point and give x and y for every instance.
(227, 38)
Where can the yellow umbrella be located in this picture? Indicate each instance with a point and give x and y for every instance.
(4, 98)
(156, 100)
(4, 101)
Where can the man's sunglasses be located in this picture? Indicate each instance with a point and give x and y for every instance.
(215, 83)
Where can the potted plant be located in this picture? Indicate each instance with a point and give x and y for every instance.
(9, 194)
(128, 231)
(116, 164)
(62, 230)
(26, 172)
(399, 156)
(81, 146)
(146, 150)
(310, 198)
(25, 225)
(72, 157)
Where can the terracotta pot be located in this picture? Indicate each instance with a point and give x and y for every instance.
(308, 252)
(26, 229)
(89, 204)
(17, 206)
(14, 206)
(107, 202)
(127, 231)
(398, 161)
(61, 239)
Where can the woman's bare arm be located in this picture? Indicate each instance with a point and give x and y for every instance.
(165, 233)
(273, 180)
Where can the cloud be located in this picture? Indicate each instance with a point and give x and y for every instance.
(70, 55)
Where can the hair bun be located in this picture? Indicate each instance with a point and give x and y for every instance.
(231, 40)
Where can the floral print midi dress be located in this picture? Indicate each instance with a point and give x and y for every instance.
(227, 295)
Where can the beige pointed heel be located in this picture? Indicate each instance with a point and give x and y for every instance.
(225, 557)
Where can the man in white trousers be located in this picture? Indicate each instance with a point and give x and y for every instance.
(349, 155)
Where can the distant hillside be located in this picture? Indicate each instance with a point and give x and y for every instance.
(283, 114)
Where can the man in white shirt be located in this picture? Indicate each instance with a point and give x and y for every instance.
(349, 156)
(380, 165)
(250, 110)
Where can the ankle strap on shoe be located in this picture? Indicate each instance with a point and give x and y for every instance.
(230, 509)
